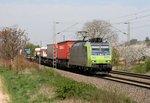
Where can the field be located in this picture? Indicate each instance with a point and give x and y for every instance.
(47, 86)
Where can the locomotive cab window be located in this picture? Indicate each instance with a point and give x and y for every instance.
(96, 50)
(105, 50)
(100, 50)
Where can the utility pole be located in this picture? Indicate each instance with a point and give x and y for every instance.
(55, 41)
(128, 34)
(54, 45)
(128, 43)
(40, 55)
(54, 36)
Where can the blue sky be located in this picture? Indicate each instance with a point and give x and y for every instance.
(37, 16)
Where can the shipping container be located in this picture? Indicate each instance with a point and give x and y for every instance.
(43, 51)
(37, 51)
(52, 53)
(64, 49)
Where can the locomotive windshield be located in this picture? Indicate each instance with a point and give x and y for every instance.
(100, 50)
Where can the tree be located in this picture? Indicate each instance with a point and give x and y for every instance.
(11, 41)
(100, 28)
(133, 41)
(31, 47)
(147, 41)
(115, 56)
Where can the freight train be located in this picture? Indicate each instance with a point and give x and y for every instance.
(88, 56)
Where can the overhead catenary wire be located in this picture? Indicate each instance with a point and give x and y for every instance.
(119, 30)
(141, 21)
(67, 28)
(142, 26)
(140, 17)
(131, 17)
(132, 14)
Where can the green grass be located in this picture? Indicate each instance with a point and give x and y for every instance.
(147, 64)
(47, 86)
(141, 68)
(138, 68)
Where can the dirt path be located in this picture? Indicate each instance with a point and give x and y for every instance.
(4, 98)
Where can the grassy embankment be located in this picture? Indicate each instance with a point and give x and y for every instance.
(47, 86)
(136, 68)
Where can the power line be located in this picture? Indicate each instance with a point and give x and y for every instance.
(136, 13)
(68, 28)
(140, 17)
(143, 26)
(119, 30)
(133, 19)
(140, 21)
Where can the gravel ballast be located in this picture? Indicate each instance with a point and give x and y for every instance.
(140, 95)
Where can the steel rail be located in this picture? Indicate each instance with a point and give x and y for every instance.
(131, 80)
(131, 74)
(128, 82)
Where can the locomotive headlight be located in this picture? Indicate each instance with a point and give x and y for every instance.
(93, 61)
(108, 61)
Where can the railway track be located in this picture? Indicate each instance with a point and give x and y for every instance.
(138, 80)
(131, 74)
(125, 80)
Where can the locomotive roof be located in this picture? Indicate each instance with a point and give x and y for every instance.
(70, 41)
(101, 43)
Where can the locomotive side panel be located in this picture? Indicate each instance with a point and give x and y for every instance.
(78, 55)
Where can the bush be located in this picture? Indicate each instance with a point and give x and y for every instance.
(138, 68)
(72, 89)
(115, 56)
(141, 68)
(21, 64)
(147, 65)
(5, 63)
